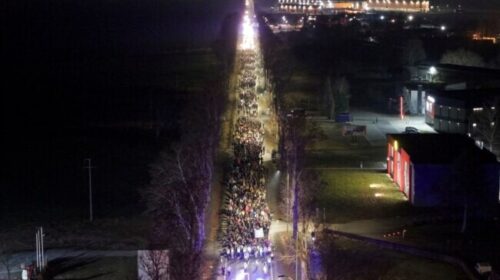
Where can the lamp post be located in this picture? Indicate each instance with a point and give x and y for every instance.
(432, 73)
(89, 167)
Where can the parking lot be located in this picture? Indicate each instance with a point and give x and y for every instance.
(378, 125)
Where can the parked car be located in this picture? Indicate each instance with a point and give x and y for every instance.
(411, 129)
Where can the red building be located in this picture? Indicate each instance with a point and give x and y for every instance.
(423, 166)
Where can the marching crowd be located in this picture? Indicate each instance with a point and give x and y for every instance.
(245, 212)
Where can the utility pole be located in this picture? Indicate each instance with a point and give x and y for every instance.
(89, 167)
(296, 259)
(287, 198)
(40, 255)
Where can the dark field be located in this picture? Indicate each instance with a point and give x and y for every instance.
(106, 80)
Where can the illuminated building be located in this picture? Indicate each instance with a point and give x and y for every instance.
(423, 167)
(325, 6)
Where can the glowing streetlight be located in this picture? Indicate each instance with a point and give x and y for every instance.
(432, 70)
(410, 17)
(443, 28)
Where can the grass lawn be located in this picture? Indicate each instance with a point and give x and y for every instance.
(477, 242)
(103, 234)
(360, 194)
(347, 259)
(301, 90)
(335, 150)
(109, 268)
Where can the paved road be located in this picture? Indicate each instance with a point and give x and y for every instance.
(262, 266)
(378, 125)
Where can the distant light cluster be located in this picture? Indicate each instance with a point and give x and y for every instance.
(317, 6)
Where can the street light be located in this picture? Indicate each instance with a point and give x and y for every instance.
(432, 72)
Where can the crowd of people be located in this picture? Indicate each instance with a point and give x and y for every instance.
(246, 215)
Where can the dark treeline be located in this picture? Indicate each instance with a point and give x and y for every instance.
(181, 177)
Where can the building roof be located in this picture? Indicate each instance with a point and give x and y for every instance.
(442, 148)
(470, 97)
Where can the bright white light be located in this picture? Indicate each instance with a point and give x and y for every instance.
(382, 17)
(241, 275)
(410, 17)
(443, 28)
(248, 38)
(431, 99)
(375, 186)
(432, 70)
(379, 194)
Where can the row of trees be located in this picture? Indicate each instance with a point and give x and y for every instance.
(180, 187)
(301, 187)
(178, 195)
(414, 52)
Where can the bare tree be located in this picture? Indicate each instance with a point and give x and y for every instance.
(175, 201)
(179, 191)
(341, 94)
(154, 264)
(462, 57)
(413, 52)
(336, 96)
(329, 98)
(310, 186)
(294, 147)
(6, 257)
